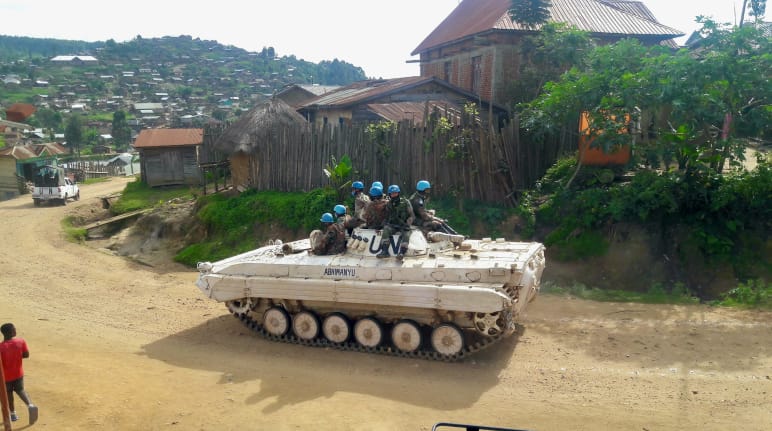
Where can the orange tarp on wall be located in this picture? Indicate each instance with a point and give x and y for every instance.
(595, 156)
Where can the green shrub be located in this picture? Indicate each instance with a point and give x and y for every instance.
(753, 293)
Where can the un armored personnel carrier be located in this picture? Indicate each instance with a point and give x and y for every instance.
(449, 296)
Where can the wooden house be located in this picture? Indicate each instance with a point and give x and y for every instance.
(9, 185)
(398, 99)
(476, 47)
(169, 156)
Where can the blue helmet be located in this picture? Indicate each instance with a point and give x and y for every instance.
(423, 185)
(393, 188)
(327, 218)
(339, 209)
(357, 185)
(377, 184)
(376, 191)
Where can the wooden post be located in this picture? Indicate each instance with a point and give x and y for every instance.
(4, 400)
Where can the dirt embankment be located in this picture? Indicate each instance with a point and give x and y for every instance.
(120, 345)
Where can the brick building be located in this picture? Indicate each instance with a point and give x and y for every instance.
(476, 47)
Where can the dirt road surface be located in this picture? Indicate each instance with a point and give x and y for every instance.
(116, 345)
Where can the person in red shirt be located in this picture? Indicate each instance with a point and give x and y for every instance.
(12, 351)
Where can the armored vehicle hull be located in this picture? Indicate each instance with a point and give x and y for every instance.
(447, 298)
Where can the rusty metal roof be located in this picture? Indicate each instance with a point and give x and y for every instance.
(363, 91)
(597, 17)
(22, 108)
(30, 151)
(414, 111)
(154, 138)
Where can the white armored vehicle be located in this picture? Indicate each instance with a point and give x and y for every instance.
(447, 298)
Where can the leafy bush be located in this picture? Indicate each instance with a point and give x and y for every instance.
(728, 215)
(751, 294)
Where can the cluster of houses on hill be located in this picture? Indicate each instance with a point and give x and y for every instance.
(469, 58)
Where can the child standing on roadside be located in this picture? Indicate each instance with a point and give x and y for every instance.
(13, 350)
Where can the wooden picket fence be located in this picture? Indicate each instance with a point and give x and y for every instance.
(467, 161)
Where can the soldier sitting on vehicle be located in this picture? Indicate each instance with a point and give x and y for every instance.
(400, 218)
(360, 200)
(345, 220)
(375, 213)
(330, 240)
(424, 218)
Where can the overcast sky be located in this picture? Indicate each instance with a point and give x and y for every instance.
(377, 36)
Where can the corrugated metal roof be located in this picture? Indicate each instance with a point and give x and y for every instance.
(594, 16)
(318, 90)
(414, 111)
(633, 7)
(362, 91)
(30, 151)
(148, 138)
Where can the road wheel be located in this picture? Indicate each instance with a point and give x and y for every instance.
(406, 336)
(305, 325)
(336, 328)
(368, 332)
(447, 339)
(276, 321)
(77, 196)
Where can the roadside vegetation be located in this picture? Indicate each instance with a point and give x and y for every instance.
(71, 232)
(138, 195)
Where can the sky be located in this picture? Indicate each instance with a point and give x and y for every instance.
(377, 36)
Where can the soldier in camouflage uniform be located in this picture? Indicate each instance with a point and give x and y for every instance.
(424, 218)
(360, 201)
(400, 218)
(376, 211)
(332, 239)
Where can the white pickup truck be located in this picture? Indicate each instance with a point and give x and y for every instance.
(52, 185)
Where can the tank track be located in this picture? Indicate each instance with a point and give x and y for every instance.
(352, 346)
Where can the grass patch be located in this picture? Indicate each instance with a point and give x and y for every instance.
(657, 294)
(138, 196)
(235, 224)
(752, 294)
(72, 233)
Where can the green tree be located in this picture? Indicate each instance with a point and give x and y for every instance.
(757, 10)
(547, 55)
(691, 105)
(73, 134)
(530, 13)
(121, 131)
(49, 118)
(219, 114)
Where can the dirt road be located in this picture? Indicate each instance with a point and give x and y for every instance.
(116, 345)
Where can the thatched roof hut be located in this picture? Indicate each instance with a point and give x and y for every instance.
(262, 137)
(261, 125)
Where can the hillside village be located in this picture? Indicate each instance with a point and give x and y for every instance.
(470, 59)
